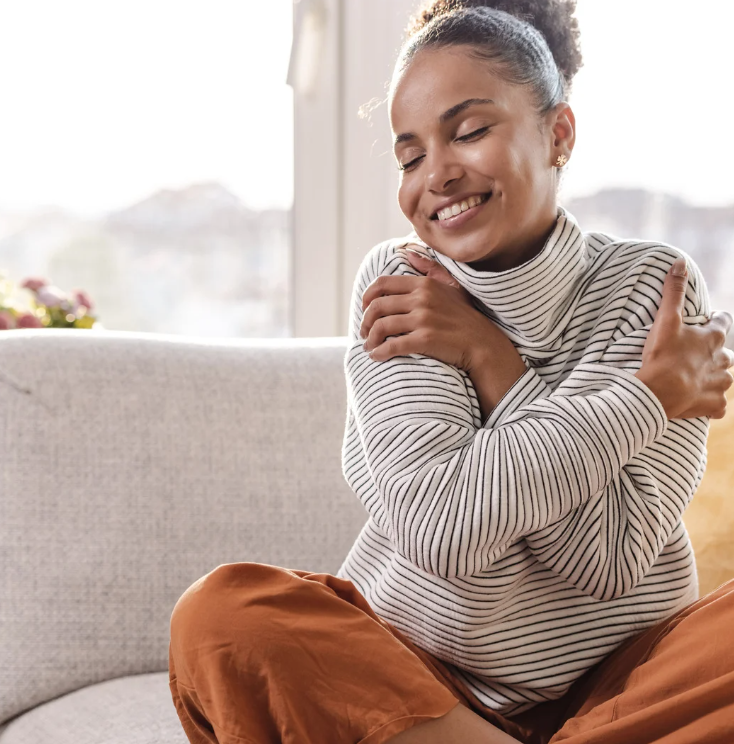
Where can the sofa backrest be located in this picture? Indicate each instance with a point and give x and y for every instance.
(131, 465)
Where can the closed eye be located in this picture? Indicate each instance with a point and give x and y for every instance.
(407, 166)
(465, 138)
(472, 134)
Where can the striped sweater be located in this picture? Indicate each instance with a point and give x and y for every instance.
(523, 549)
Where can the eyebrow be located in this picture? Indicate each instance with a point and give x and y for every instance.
(445, 116)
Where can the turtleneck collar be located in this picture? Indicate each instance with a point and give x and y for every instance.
(533, 302)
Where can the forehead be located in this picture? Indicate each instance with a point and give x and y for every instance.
(436, 79)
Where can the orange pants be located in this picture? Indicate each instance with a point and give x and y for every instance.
(262, 655)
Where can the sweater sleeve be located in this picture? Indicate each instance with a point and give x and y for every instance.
(608, 543)
(606, 546)
(452, 495)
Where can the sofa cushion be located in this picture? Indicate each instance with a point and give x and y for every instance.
(129, 710)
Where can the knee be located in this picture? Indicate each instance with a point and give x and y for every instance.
(224, 601)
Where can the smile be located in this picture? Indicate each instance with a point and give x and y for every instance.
(451, 218)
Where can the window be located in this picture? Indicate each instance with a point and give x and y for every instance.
(653, 153)
(147, 158)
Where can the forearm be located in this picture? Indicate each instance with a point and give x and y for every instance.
(453, 498)
(493, 375)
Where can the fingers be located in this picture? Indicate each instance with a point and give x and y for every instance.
(715, 330)
(382, 331)
(415, 249)
(712, 405)
(717, 397)
(729, 356)
(387, 285)
(381, 307)
(428, 266)
(721, 319)
(674, 291)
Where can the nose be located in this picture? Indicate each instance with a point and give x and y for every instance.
(442, 168)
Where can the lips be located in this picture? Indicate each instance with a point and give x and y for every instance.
(470, 202)
(458, 221)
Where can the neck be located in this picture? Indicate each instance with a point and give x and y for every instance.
(516, 256)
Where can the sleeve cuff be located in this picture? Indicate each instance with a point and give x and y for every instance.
(527, 388)
(652, 405)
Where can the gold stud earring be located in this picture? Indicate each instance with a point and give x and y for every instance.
(562, 159)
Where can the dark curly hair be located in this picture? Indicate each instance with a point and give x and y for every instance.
(528, 42)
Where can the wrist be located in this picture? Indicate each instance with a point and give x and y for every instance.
(503, 363)
(643, 375)
(493, 375)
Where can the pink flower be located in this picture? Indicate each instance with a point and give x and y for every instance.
(7, 321)
(34, 283)
(51, 296)
(81, 299)
(28, 320)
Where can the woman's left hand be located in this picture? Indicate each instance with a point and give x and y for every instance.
(431, 315)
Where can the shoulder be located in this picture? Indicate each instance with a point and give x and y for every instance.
(384, 260)
(634, 265)
(634, 251)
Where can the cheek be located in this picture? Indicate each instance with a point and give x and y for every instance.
(497, 160)
(407, 199)
(530, 164)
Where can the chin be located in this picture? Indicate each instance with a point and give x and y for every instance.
(466, 249)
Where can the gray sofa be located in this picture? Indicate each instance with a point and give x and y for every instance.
(131, 465)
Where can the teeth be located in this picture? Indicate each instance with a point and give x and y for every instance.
(459, 207)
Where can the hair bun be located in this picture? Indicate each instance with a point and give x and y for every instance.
(553, 18)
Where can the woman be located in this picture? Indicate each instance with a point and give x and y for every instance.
(527, 419)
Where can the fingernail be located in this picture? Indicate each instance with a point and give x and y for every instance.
(679, 267)
(416, 253)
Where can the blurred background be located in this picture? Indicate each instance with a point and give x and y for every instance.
(220, 168)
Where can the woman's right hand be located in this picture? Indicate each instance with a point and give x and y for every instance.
(686, 366)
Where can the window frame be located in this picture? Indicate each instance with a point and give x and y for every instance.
(345, 175)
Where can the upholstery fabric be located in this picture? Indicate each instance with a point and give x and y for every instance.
(133, 464)
(129, 710)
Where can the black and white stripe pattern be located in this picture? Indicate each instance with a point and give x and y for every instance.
(524, 548)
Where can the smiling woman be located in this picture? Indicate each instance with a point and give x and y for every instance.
(508, 138)
(528, 408)
(508, 150)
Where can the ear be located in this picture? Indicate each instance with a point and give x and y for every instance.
(563, 130)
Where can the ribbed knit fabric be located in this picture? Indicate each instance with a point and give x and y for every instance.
(525, 548)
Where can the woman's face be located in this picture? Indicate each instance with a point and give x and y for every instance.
(451, 150)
